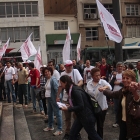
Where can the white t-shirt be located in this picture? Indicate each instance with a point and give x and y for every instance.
(9, 72)
(16, 72)
(75, 76)
(56, 74)
(118, 79)
(48, 89)
(87, 73)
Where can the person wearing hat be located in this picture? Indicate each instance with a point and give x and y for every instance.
(78, 80)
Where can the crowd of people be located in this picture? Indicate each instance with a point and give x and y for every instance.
(75, 85)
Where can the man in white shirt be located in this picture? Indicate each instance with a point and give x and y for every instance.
(9, 79)
(87, 75)
(117, 86)
(78, 80)
(55, 72)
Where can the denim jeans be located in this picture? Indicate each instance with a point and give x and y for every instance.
(54, 109)
(10, 89)
(29, 93)
(116, 106)
(16, 89)
(33, 95)
(89, 126)
(23, 90)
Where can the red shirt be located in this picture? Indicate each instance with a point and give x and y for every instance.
(104, 70)
(34, 74)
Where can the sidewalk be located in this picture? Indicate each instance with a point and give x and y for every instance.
(36, 125)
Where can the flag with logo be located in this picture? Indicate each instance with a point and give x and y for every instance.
(110, 26)
(27, 49)
(66, 48)
(79, 48)
(38, 60)
(3, 49)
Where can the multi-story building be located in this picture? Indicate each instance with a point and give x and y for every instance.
(18, 19)
(59, 15)
(130, 12)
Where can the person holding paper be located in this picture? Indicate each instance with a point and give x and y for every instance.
(79, 103)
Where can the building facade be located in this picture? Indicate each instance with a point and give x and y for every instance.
(18, 19)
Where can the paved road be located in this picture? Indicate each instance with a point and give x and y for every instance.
(36, 125)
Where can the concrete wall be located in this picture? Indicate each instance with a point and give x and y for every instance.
(50, 19)
(28, 21)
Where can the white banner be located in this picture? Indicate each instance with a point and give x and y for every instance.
(38, 60)
(27, 49)
(66, 48)
(110, 26)
(79, 48)
(3, 49)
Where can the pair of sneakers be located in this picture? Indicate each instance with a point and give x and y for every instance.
(57, 133)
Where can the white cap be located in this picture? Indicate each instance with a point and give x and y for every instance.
(68, 63)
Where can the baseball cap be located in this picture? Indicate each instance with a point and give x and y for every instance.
(68, 63)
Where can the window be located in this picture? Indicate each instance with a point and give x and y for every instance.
(19, 34)
(133, 31)
(62, 25)
(18, 9)
(92, 33)
(132, 10)
(90, 11)
(109, 8)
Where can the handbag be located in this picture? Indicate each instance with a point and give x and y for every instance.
(134, 109)
(96, 107)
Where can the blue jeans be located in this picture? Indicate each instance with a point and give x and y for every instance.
(33, 95)
(54, 109)
(29, 93)
(116, 107)
(10, 89)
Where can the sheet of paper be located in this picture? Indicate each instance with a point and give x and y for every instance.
(61, 105)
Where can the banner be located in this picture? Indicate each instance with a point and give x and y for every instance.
(79, 48)
(110, 26)
(38, 60)
(27, 49)
(66, 48)
(3, 49)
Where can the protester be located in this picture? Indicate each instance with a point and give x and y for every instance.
(116, 84)
(95, 88)
(80, 104)
(35, 83)
(76, 66)
(129, 127)
(104, 69)
(9, 80)
(124, 67)
(22, 84)
(61, 68)
(82, 65)
(110, 72)
(55, 72)
(2, 81)
(51, 87)
(98, 64)
(137, 71)
(130, 66)
(78, 80)
(87, 75)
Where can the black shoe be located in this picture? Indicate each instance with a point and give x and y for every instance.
(79, 137)
(66, 137)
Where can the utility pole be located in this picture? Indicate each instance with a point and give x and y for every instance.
(116, 14)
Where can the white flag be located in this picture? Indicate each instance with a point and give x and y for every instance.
(78, 48)
(27, 49)
(110, 26)
(3, 49)
(38, 60)
(66, 48)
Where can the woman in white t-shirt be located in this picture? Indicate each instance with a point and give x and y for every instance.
(51, 87)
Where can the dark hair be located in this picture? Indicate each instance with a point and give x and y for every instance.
(103, 58)
(138, 62)
(47, 68)
(68, 80)
(130, 65)
(94, 70)
(52, 62)
(8, 61)
(31, 64)
(125, 66)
